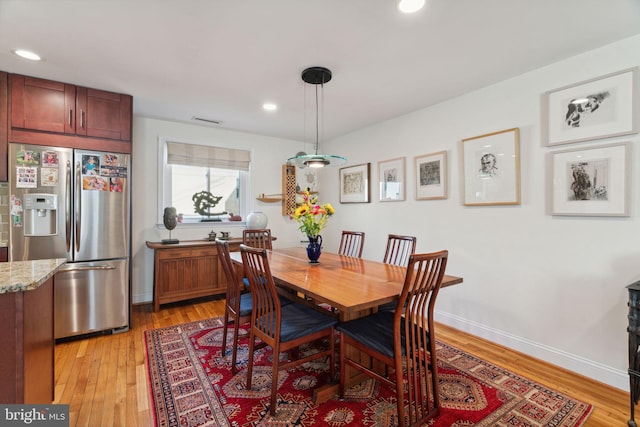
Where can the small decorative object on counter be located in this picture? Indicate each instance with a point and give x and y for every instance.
(170, 220)
(256, 221)
(212, 235)
(233, 217)
(224, 235)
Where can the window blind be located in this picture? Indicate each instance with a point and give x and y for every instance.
(205, 156)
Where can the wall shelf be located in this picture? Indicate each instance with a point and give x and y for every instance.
(270, 198)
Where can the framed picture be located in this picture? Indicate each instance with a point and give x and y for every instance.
(598, 108)
(391, 177)
(491, 168)
(354, 184)
(591, 181)
(431, 176)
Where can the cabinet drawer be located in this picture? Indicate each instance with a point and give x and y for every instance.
(186, 253)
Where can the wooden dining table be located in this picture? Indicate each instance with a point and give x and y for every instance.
(354, 287)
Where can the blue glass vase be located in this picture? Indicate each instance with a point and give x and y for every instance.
(314, 248)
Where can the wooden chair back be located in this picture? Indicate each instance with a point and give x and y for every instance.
(259, 238)
(237, 307)
(233, 284)
(351, 243)
(267, 310)
(281, 326)
(413, 321)
(403, 339)
(399, 249)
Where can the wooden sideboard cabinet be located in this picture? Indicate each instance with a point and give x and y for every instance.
(189, 269)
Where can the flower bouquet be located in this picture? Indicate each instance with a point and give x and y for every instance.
(312, 218)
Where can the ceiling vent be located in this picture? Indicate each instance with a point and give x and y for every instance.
(200, 119)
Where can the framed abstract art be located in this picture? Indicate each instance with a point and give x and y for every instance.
(603, 107)
(431, 176)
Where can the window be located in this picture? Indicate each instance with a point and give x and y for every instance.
(204, 183)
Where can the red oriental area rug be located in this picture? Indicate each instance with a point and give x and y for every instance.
(192, 385)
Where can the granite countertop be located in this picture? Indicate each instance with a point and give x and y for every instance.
(27, 275)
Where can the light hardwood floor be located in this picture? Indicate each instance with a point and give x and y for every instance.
(104, 378)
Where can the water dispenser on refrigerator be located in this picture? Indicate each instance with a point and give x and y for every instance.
(40, 214)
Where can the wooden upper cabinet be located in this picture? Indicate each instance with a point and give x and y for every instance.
(49, 106)
(103, 114)
(42, 105)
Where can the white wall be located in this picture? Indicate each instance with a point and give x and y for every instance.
(552, 287)
(267, 154)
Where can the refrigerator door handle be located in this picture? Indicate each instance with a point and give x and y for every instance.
(69, 269)
(78, 207)
(67, 200)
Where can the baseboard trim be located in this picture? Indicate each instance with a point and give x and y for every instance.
(597, 371)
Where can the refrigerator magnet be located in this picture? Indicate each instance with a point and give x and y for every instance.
(115, 185)
(16, 211)
(26, 177)
(90, 165)
(49, 159)
(110, 159)
(49, 177)
(28, 158)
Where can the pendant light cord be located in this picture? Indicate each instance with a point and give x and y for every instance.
(317, 119)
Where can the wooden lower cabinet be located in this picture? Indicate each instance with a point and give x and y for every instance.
(189, 269)
(27, 358)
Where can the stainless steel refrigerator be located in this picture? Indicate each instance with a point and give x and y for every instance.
(75, 204)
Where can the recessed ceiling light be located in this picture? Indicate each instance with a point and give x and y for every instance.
(27, 54)
(269, 106)
(410, 6)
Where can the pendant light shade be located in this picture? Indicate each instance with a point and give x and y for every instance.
(317, 76)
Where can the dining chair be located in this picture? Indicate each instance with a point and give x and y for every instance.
(399, 248)
(258, 238)
(281, 327)
(351, 243)
(403, 340)
(238, 305)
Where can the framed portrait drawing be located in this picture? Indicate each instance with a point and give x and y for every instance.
(354, 184)
(491, 168)
(598, 108)
(391, 179)
(431, 176)
(591, 181)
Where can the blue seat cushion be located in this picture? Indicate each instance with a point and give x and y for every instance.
(246, 305)
(298, 321)
(375, 331)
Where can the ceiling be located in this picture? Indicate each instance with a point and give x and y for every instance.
(222, 59)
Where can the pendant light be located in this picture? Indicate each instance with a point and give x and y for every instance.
(317, 76)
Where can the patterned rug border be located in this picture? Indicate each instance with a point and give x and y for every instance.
(493, 376)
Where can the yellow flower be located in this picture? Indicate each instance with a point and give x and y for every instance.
(302, 210)
(330, 209)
